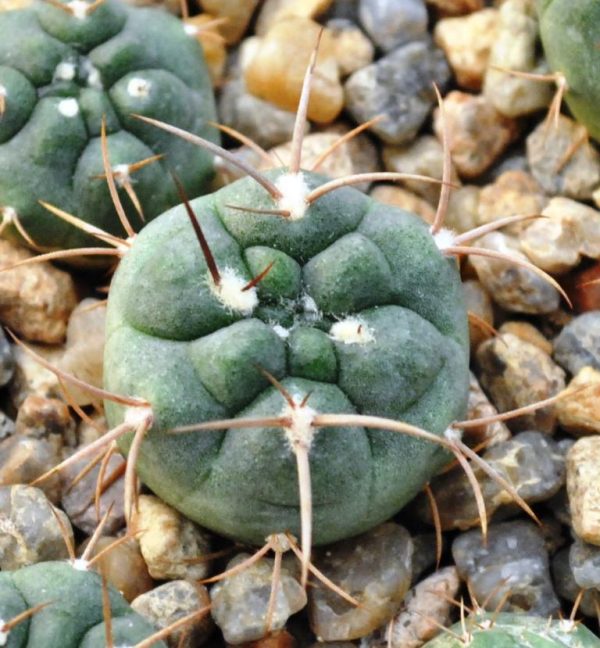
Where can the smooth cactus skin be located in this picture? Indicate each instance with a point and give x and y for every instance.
(173, 343)
(59, 75)
(73, 618)
(569, 32)
(508, 630)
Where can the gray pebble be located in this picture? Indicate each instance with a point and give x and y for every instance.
(392, 23)
(7, 362)
(566, 586)
(7, 425)
(584, 560)
(399, 86)
(578, 344)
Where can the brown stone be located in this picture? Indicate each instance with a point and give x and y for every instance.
(273, 11)
(461, 215)
(399, 197)
(456, 7)
(45, 417)
(528, 333)
(237, 13)
(579, 413)
(479, 406)
(583, 487)
(278, 640)
(583, 288)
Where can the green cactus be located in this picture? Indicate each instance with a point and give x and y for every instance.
(570, 38)
(359, 309)
(61, 72)
(73, 616)
(508, 630)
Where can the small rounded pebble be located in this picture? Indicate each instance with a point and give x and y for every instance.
(31, 378)
(391, 23)
(584, 289)
(528, 333)
(567, 588)
(353, 50)
(579, 413)
(479, 406)
(45, 418)
(274, 11)
(584, 560)
(461, 215)
(578, 344)
(479, 304)
(583, 488)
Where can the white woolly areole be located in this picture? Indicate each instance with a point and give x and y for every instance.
(230, 293)
(68, 107)
(281, 331)
(80, 564)
(79, 8)
(294, 191)
(301, 432)
(351, 331)
(567, 625)
(94, 80)
(138, 87)
(2, 91)
(190, 30)
(444, 238)
(3, 634)
(65, 71)
(9, 214)
(453, 434)
(121, 174)
(135, 416)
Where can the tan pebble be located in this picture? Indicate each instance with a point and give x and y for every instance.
(528, 333)
(213, 46)
(479, 406)
(456, 7)
(461, 215)
(273, 11)
(479, 307)
(276, 71)
(237, 13)
(467, 42)
(35, 300)
(579, 413)
(399, 197)
(583, 487)
(279, 640)
(31, 378)
(478, 133)
(11, 5)
(353, 50)
(584, 289)
(46, 418)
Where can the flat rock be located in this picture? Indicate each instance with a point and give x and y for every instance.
(579, 413)
(578, 344)
(391, 24)
(583, 488)
(399, 86)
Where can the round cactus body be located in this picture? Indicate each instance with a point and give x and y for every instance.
(360, 312)
(61, 73)
(508, 630)
(73, 616)
(569, 32)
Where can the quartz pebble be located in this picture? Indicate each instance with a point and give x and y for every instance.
(240, 601)
(567, 588)
(517, 373)
(583, 488)
(513, 563)
(477, 132)
(427, 606)
(562, 161)
(391, 23)
(353, 50)
(35, 300)
(466, 42)
(375, 568)
(7, 362)
(170, 602)
(276, 70)
(479, 406)
(513, 287)
(515, 48)
(237, 13)
(29, 530)
(172, 545)
(528, 333)
(399, 86)
(399, 197)
(273, 11)
(579, 413)
(578, 344)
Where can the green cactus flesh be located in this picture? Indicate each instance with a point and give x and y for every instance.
(349, 263)
(73, 617)
(59, 76)
(515, 631)
(569, 32)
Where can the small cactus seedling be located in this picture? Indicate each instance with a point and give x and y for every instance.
(570, 39)
(64, 67)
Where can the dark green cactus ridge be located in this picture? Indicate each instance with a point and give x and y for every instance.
(73, 617)
(60, 74)
(569, 32)
(360, 309)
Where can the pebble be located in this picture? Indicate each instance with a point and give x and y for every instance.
(31, 378)
(584, 560)
(513, 562)
(7, 426)
(528, 333)
(212, 43)
(23, 459)
(240, 602)
(353, 50)
(579, 413)
(407, 200)
(78, 501)
(274, 11)
(557, 165)
(375, 568)
(478, 133)
(279, 640)
(578, 344)
(583, 488)
(237, 13)
(425, 608)
(479, 406)
(467, 42)
(123, 566)
(7, 362)
(391, 24)
(513, 287)
(516, 373)
(29, 531)
(531, 462)
(35, 300)
(168, 603)
(276, 70)
(399, 86)
(513, 193)
(424, 156)
(461, 215)
(84, 348)
(456, 7)
(47, 418)
(515, 48)
(584, 289)
(171, 544)
(567, 588)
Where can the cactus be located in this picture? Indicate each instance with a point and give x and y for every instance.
(65, 67)
(66, 605)
(508, 630)
(570, 38)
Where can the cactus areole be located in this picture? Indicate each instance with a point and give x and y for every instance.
(360, 312)
(61, 72)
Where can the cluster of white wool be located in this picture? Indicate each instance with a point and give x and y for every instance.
(294, 192)
(352, 330)
(231, 294)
